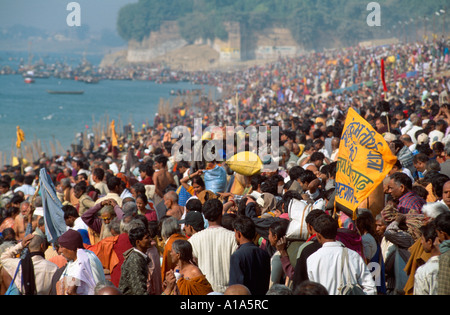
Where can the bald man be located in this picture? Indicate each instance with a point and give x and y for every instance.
(237, 289)
(335, 142)
(407, 141)
(171, 203)
(107, 289)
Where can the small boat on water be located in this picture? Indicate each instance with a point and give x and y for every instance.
(65, 92)
(195, 92)
(29, 80)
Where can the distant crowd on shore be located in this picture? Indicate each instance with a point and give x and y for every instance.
(148, 224)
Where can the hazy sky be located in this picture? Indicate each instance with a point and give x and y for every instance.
(52, 14)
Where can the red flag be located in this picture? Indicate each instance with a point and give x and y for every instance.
(383, 76)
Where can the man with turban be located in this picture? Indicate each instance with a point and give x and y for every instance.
(83, 270)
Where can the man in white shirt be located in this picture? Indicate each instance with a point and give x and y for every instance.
(324, 266)
(407, 141)
(438, 134)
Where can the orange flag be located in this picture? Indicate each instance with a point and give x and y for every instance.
(20, 137)
(364, 161)
(114, 140)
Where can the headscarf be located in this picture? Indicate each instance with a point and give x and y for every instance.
(71, 240)
(124, 179)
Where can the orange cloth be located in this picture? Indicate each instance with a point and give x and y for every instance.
(104, 250)
(431, 197)
(94, 237)
(114, 137)
(58, 260)
(167, 263)
(124, 178)
(418, 258)
(195, 286)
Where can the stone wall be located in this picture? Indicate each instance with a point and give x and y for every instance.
(159, 43)
(265, 45)
(276, 42)
(229, 50)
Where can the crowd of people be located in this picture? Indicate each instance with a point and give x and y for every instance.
(138, 221)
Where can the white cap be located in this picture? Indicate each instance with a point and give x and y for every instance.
(389, 137)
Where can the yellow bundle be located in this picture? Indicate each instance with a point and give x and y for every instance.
(245, 163)
(391, 59)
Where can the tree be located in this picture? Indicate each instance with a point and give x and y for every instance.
(314, 24)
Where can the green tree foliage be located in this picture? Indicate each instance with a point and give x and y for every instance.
(314, 24)
(137, 20)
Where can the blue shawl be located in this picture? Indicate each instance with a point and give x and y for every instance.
(55, 225)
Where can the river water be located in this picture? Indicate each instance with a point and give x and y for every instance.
(58, 118)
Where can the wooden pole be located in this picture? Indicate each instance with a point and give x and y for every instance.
(21, 160)
(237, 109)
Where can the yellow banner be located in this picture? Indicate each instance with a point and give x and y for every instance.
(364, 161)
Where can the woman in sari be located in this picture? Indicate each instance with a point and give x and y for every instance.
(146, 208)
(170, 232)
(186, 278)
(197, 183)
